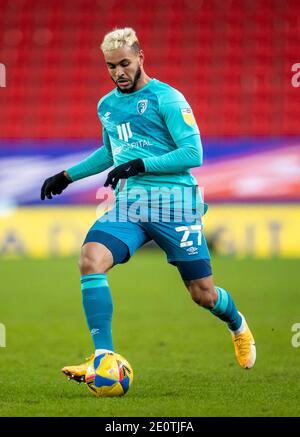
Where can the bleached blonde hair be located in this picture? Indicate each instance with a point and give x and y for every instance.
(120, 38)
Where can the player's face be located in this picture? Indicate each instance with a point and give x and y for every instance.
(124, 66)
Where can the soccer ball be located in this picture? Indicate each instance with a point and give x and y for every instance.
(108, 375)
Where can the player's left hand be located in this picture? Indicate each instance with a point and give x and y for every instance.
(124, 171)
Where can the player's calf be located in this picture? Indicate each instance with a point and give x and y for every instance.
(203, 292)
(221, 304)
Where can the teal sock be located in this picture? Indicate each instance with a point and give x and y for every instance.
(98, 308)
(225, 310)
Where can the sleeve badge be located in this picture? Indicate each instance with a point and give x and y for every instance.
(188, 116)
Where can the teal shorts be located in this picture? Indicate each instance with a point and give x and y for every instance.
(181, 239)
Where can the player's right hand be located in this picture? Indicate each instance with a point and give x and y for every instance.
(54, 185)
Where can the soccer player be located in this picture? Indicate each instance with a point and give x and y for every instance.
(152, 140)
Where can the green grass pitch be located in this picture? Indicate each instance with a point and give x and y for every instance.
(182, 356)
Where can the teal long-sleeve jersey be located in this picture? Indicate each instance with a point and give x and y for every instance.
(154, 123)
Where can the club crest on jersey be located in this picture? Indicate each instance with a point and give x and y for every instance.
(188, 116)
(142, 106)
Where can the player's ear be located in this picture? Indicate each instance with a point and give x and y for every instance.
(141, 56)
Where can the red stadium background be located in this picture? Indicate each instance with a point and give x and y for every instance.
(237, 62)
(232, 59)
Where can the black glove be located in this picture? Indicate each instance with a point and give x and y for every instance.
(54, 185)
(124, 171)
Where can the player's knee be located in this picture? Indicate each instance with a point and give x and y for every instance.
(89, 264)
(94, 261)
(203, 293)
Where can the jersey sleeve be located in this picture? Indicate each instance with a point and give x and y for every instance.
(182, 126)
(97, 162)
(188, 155)
(179, 117)
(106, 140)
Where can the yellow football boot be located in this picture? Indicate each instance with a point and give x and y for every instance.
(244, 346)
(77, 373)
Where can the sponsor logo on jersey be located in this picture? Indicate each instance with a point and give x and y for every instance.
(124, 131)
(106, 115)
(142, 106)
(188, 116)
(135, 144)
